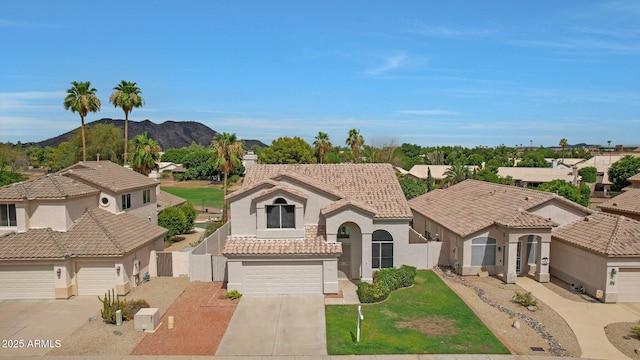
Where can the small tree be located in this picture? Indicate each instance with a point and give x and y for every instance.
(620, 171)
(589, 174)
(568, 191)
(412, 187)
(174, 220)
(287, 150)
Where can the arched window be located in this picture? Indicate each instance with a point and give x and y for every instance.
(483, 251)
(280, 215)
(381, 249)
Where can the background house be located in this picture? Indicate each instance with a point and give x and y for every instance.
(627, 203)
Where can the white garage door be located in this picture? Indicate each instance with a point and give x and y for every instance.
(282, 278)
(95, 278)
(27, 282)
(629, 285)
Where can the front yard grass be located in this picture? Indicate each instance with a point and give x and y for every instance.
(428, 318)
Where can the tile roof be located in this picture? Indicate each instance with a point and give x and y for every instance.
(314, 243)
(602, 233)
(635, 177)
(96, 233)
(108, 175)
(473, 205)
(524, 219)
(437, 171)
(602, 163)
(628, 201)
(164, 200)
(52, 186)
(344, 202)
(375, 185)
(284, 188)
(539, 175)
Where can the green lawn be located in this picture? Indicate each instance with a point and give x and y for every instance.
(428, 318)
(211, 196)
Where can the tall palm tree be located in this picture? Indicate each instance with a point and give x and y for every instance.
(458, 172)
(322, 144)
(229, 153)
(563, 143)
(126, 96)
(81, 98)
(145, 152)
(355, 141)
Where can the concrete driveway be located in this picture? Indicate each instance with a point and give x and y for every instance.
(33, 327)
(276, 325)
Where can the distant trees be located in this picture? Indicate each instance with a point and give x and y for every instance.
(11, 161)
(412, 187)
(578, 194)
(81, 98)
(563, 143)
(228, 156)
(458, 172)
(589, 174)
(623, 169)
(145, 152)
(322, 144)
(532, 158)
(126, 96)
(355, 142)
(287, 150)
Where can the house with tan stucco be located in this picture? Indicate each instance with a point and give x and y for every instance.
(82, 231)
(627, 203)
(297, 229)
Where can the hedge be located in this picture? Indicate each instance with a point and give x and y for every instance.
(384, 282)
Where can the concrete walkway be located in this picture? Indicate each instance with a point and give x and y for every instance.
(587, 320)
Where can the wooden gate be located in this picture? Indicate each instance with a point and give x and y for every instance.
(164, 261)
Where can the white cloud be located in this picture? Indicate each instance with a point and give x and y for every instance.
(390, 63)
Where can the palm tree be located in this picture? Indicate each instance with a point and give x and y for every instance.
(126, 96)
(81, 98)
(563, 143)
(322, 144)
(229, 152)
(458, 172)
(145, 152)
(355, 141)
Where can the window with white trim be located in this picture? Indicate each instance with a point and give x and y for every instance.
(381, 249)
(8, 215)
(126, 201)
(483, 251)
(280, 215)
(146, 196)
(532, 245)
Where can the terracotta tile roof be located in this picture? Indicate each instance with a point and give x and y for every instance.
(108, 175)
(164, 200)
(524, 219)
(96, 233)
(628, 201)
(314, 243)
(33, 244)
(373, 184)
(602, 233)
(344, 202)
(47, 187)
(473, 205)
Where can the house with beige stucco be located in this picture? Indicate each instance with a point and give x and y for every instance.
(628, 202)
(297, 229)
(82, 231)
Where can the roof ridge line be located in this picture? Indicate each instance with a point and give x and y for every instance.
(614, 235)
(106, 232)
(56, 236)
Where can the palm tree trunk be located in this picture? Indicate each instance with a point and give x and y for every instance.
(225, 217)
(126, 135)
(84, 144)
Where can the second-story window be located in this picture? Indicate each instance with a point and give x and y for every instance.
(126, 201)
(8, 215)
(280, 215)
(146, 196)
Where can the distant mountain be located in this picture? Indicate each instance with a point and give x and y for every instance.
(169, 134)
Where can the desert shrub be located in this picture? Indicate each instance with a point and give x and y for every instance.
(233, 294)
(525, 299)
(636, 330)
(131, 308)
(384, 282)
(111, 303)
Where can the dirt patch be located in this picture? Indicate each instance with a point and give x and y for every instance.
(622, 337)
(435, 326)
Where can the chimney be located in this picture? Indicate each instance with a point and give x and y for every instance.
(554, 163)
(249, 159)
(574, 172)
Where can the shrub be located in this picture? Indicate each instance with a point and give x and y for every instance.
(131, 309)
(525, 299)
(384, 282)
(636, 330)
(110, 304)
(233, 294)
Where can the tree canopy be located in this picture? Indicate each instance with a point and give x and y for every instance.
(144, 153)
(287, 150)
(127, 97)
(578, 194)
(81, 98)
(621, 170)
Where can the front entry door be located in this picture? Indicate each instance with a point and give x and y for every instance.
(344, 262)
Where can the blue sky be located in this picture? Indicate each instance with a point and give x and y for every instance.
(426, 72)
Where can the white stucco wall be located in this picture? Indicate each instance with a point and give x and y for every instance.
(559, 212)
(576, 266)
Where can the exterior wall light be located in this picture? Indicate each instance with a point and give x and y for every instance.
(59, 272)
(613, 273)
(118, 270)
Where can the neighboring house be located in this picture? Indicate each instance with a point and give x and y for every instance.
(81, 231)
(567, 163)
(533, 177)
(437, 171)
(602, 163)
(627, 203)
(296, 228)
(167, 166)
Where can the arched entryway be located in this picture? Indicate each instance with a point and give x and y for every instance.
(526, 254)
(349, 263)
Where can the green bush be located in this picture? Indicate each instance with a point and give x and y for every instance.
(525, 299)
(384, 282)
(636, 330)
(233, 294)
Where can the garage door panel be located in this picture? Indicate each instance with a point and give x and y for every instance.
(275, 278)
(27, 282)
(95, 278)
(629, 285)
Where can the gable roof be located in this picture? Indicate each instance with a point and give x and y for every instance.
(628, 201)
(473, 205)
(164, 200)
(605, 234)
(108, 175)
(96, 233)
(524, 219)
(437, 171)
(52, 186)
(314, 243)
(374, 185)
(538, 175)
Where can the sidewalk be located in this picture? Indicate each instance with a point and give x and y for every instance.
(587, 320)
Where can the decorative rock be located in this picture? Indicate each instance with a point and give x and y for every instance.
(516, 324)
(637, 351)
(532, 308)
(483, 274)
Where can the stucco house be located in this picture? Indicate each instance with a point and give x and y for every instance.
(510, 231)
(627, 203)
(532, 176)
(82, 231)
(295, 229)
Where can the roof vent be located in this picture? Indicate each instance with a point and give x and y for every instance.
(526, 198)
(615, 204)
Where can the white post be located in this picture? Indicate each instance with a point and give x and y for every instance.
(360, 318)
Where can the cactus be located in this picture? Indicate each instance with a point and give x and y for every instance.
(110, 304)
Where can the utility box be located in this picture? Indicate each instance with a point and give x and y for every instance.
(146, 319)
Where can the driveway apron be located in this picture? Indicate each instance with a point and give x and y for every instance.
(276, 325)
